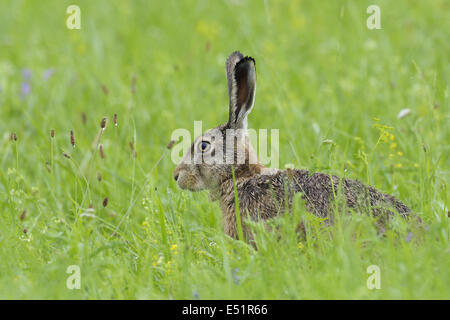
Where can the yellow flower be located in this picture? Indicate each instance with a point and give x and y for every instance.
(398, 165)
(400, 153)
(391, 155)
(384, 136)
(392, 137)
(393, 145)
(300, 245)
(173, 247)
(416, 165)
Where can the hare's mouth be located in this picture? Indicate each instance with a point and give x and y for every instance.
(188, 182)
(189, 187)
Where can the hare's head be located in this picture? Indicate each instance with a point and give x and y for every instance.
(218, 151)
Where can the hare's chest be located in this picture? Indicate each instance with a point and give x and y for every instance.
(227, 206)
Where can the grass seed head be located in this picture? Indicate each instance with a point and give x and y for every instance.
(23, 215)
(105, 89)
(72, 138)
(133, 151)
(102, 153)
(103, 123)
(105, 202)
(115, 119)
(13, 136)
(66, 155)
(133, 84)
(83, 118)
(52, 133)
(170, 145)
(99, 176)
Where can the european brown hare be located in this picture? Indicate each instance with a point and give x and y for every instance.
(262, 192)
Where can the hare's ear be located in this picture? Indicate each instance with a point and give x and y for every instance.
(241, 74)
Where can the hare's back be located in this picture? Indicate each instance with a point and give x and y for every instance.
(319, 190)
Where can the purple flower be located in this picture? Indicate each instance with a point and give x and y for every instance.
(48, 73)
(409, 237)
(26, 89)
(26, 73)
(235, 276)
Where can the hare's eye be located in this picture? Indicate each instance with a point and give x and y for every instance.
(204, 146)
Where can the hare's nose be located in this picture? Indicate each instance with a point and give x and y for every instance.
(176, 172)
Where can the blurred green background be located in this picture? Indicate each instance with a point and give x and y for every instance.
(331, 86)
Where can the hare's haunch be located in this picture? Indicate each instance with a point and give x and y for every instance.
(262, 192)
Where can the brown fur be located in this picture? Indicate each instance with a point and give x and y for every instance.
(263, 197)
(263, 192)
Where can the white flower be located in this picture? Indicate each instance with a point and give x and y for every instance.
(403, 113)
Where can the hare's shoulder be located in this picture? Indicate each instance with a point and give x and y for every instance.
(254, 186)
(269, 178)
(261, 195)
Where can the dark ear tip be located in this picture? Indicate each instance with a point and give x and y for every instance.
(244, 61)
(248, 58)
(241, 57)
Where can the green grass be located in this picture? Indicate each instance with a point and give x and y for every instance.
(322, 75)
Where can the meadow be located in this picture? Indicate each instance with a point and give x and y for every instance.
(105, 200)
